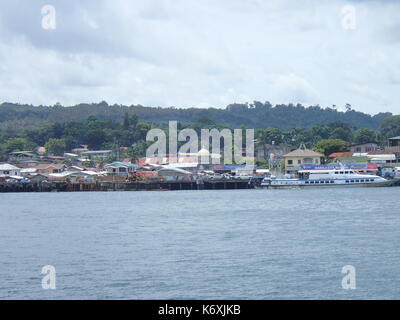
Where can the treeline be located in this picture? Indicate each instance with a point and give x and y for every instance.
(131, 130)
(251, 115)
(60, 137)
(333, 137)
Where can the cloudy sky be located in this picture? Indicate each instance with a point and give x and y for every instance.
(202, 52)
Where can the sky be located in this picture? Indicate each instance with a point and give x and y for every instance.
(201, 53)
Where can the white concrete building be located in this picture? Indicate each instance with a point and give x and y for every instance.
(7, 170)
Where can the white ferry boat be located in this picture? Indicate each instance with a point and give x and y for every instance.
(326, 178)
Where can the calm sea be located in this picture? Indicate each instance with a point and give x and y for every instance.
(238, 244)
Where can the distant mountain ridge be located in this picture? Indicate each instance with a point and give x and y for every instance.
(255, 115)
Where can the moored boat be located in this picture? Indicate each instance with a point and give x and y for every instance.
(327, 178)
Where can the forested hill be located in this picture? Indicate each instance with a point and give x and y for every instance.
(256, 115)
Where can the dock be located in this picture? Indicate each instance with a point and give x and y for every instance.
(125, 186)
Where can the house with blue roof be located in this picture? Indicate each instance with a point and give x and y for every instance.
(120, 168)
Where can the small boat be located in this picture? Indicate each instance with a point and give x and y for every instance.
(326, 178)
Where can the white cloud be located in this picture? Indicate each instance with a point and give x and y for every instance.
(201, 53)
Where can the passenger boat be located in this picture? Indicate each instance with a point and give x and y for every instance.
(326, 178)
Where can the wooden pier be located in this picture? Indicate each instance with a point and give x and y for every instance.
(125, 186)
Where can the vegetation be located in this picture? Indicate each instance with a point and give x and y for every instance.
(60, 129)
(329, 146)
(254, 115)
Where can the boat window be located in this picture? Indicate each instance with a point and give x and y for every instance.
(341, 172)
(347, 181)
(361, 180)
(336, 172)
(346, 172)
(357, 180)
(372, 180)
(351, 180)
(307, 182)
(332, 181)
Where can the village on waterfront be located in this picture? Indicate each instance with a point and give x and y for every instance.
(82, 169)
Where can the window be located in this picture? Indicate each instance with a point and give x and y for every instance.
(308, 160)
(299, 161)
(346, 172)
(347, 181)
(341, 172)
(357, 180)
(336, 172)
(290, 161)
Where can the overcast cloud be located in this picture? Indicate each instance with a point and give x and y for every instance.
(202, 53)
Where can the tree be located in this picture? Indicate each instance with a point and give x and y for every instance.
(56, 147)
(390, 127)
(342, 134)
(95, 138)
(365, 135)
(329, 146)
(17, 144)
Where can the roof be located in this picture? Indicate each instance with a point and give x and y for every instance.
(384, 152)
(28, 170)
(303, 153)
(340, 154)
(7, 167)
(383, 157)
(120, 164)
(30, 153)
(96, 151)
(50, 165)
(395, 138)
(182, 165)
(173, 171)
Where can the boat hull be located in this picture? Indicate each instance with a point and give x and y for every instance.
(310, 186)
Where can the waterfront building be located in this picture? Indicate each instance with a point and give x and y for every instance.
(22, 156)
(364, 147)
(96, 154)
(174, 174)
(50, 168)
(120, 168)
(301, 156)
(27, 172)
(394, 143)
(7, 169)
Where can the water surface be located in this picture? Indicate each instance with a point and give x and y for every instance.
(232, 244)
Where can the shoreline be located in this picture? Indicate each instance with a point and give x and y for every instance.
(125, 186)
